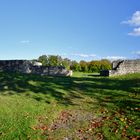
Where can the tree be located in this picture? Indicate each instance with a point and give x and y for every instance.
(43, 59)
(75, 66)
(66, 63)
(105, 64)
(54, 60)
(94, 66)
(84, 66)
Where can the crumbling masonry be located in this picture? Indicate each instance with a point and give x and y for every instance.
(27, 66)
(121, 67)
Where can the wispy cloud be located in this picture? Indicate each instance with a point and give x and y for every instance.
(137, 53)
(25, 41)
(134, 21)
(115, 57)
(84, 55)
(135, 32)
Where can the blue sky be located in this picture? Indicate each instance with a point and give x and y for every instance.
(77, 29)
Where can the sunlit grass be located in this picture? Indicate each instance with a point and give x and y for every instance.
(41, 107)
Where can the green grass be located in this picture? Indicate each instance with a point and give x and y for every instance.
(84, 106)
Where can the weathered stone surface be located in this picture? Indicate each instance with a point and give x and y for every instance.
(37, 63)
(69, 73)
(26, 66)
(121, 67)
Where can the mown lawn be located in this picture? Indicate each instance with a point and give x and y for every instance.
(82, 107)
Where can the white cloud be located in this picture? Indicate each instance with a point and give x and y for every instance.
(135, 32)
(63, 54)
(135, 19)
(137, 53)
(92, 55)
(25, 42)
(84, 55)
(115, 57)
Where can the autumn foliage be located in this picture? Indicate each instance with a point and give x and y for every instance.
(82, 66)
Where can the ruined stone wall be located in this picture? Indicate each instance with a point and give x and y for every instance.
(15, 65)
(125, 67)
(26, 66)
(121, 67)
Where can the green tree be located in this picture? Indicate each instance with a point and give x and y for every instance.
(94, 66)
(75, 66)
(105, 64)
(84, 66)
(43, 59)
(54, 60)
(66, 63)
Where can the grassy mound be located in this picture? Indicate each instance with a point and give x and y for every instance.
(81, 107)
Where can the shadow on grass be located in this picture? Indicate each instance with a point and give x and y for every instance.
(107, 91)
(95, 75)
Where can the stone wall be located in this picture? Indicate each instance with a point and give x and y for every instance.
(121, 67)
(26, 66)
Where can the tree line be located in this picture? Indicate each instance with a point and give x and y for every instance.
(82, 66)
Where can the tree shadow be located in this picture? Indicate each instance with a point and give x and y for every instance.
(107, 91)
(95, 75)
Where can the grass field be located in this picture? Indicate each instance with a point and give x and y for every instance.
(82, 107)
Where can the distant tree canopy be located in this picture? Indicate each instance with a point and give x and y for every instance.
(43, 59)
(75, 66)
(82, 66)
(54, 60)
